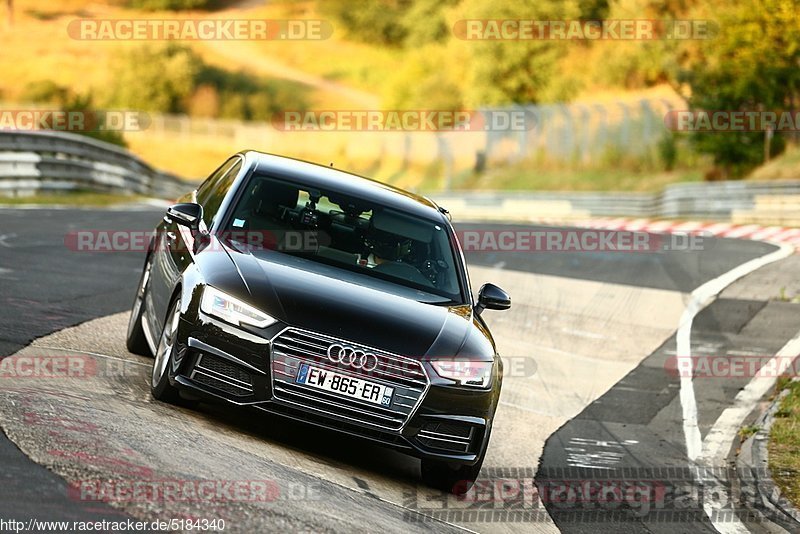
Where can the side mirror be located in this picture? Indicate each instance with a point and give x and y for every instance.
(186, 214)
(491, 297)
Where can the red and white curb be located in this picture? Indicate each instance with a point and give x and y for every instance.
(754, 232)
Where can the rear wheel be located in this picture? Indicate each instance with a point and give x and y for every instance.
(160, 386)
(136, 340)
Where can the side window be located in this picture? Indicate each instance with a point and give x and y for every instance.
(204, 190)
(211, 193)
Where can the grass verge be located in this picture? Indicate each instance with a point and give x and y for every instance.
(77, 198)
(784, 444)
(526, 177)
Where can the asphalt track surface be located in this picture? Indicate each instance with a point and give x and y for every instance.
(45, 287)
(634, 431)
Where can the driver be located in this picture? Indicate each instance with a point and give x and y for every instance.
(390, 254)
(384, 247)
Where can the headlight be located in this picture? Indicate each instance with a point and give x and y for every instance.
(465, 372)
(232, 310)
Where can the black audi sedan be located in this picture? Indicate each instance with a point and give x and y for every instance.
(326, 297)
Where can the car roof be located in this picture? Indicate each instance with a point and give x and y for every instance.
(329, 178)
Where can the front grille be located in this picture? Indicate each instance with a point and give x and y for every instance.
(222, 375)
(387, 438)
(446, 436)
(294, 347)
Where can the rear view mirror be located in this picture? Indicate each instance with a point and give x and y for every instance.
(491, 297)
(186, 214)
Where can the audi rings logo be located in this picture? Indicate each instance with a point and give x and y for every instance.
(352, 357)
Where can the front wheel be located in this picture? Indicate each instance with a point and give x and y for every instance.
(160, 387)
(453, 478)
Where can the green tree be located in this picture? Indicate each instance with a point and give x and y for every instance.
(44, 92)
(84, 104)
(156, 78)
(170, 5)
(64, 99)
(506, 71)
(429, 79)
(425, 22)
(375, 22)
(593, 9)
(752, 64)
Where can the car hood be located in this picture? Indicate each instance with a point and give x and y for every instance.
(307, 295)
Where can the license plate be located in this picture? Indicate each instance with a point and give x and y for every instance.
(348, 386)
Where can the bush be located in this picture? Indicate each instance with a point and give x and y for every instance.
(83, 103)
(44, 92)
(157, 78)
(427, 80)
(63, 99)
(425, 22)
(374, 22)
(170, 5)
(172, 78)
(243, 96)
(506, 72)
(668, 151)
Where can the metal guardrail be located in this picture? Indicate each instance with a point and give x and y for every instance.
(701, 200)
(47, 162)
(44, 161)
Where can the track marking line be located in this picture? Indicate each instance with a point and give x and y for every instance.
(4, 238)
(699, 299)
(742, 231)
(718, 228)
(687, 226)
(767, 233)
(751, 232)
(89, 353)
(583, 333)
(658, 227)
(719, 438)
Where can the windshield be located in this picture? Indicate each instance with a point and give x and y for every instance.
(348, 233)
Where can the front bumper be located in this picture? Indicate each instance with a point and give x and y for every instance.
(220, 362)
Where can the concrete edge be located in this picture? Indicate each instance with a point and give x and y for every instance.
(753, 459)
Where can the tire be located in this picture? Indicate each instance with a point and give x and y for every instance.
(160, 387)
(136, 340)
(452, 478)
(455, 479)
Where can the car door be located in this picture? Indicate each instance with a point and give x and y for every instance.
(174, 250)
